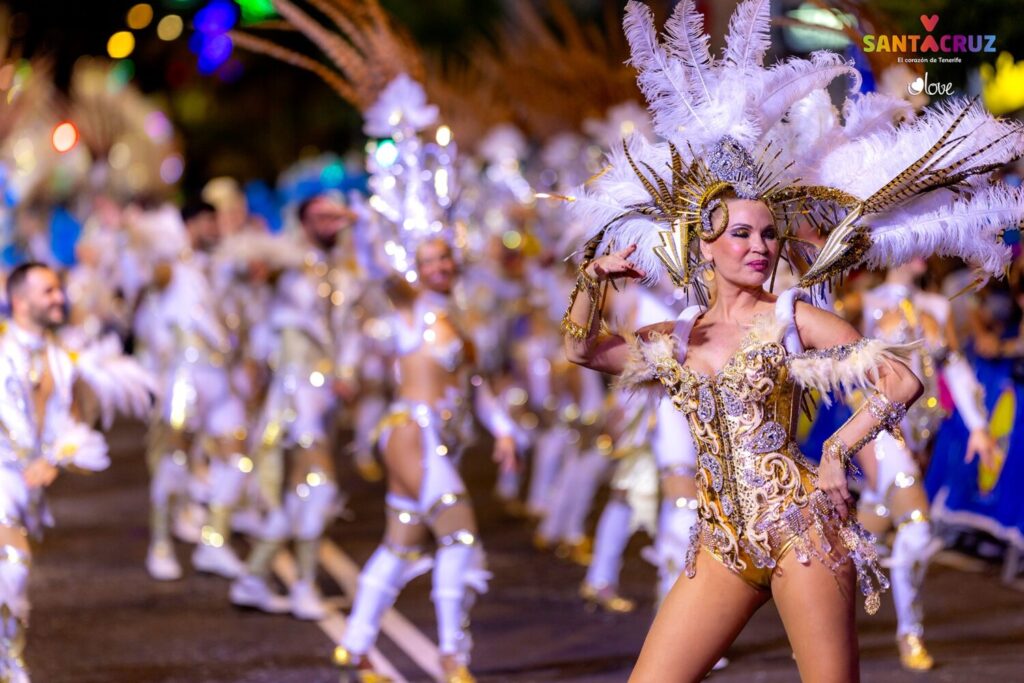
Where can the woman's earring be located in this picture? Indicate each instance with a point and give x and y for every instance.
(709, 271)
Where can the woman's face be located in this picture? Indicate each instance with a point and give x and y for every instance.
(745, 252)
(436, 266)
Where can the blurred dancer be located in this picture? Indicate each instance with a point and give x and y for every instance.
(41, 435)
(421, 438)
(899, 312)
(294, 460)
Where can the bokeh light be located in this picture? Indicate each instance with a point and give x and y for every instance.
(386, 153)
(120, 45)
(65, 137)
(214, 53)
(217, 17)
(158, 127)
(210, 41)
(119, 156)
(443, 136)
(332, 174)
(171, 169)
(122, 72)
(170, 27)
(256, 10)
(140, 16)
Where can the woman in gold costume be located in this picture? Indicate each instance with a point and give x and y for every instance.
(771, 524)
(749, 156)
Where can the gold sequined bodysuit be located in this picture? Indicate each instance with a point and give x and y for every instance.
(758, 495)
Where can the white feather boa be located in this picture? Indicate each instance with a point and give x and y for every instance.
(844, 369)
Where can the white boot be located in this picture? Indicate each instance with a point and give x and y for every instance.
(188, 522)
(14, 609)
(306, 602)
(161, 562)
(217, 559)
(253, 591)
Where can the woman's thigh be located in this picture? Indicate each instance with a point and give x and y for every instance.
(403, 459)
(697, 622)
(818, 611)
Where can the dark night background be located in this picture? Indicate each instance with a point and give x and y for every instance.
(270, 114)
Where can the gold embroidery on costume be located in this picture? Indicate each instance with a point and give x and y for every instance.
(758, 495)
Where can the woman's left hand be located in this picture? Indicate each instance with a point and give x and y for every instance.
(832, 480)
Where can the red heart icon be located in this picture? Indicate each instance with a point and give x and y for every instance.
(929, 22)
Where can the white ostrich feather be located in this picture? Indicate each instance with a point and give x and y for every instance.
(663, 80)
(869, 112)
(866, 164)
(620, 121)
(121, 385)
(968, 228)
(858, 369)
(787, 82)
(749, 37)
(611, 198)
(688, 43)
(646, 359)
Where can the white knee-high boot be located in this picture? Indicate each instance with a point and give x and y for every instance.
(458, 573)
(910, 552)
(14, 608)
(592, 466)
(547, 459)
(675, 523)
(552, 528)
(380, 582)
(613, 532)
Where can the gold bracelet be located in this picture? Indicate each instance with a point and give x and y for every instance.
(835, 448)
(595, 292)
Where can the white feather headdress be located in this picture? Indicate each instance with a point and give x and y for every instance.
(882, 189)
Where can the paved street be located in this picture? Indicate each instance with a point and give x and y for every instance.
(98, 618)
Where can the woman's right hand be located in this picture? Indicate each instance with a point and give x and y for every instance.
(615, 266)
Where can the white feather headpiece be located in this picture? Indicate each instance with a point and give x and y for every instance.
(883, 191)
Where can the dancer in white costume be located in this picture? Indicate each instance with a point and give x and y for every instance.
(294, 460)
(40, 434)
(421, 438)
(899, 312)
(202, 421)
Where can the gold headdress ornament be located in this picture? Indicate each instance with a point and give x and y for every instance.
(882, 193)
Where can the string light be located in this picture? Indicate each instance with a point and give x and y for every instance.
(170, 27)
(140, 16)
(120, 45)
(65, 137)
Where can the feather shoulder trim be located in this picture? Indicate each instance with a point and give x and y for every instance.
(649, 360)
(847, 367)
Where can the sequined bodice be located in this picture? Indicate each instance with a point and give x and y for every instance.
(757, 494)
(749, 469)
